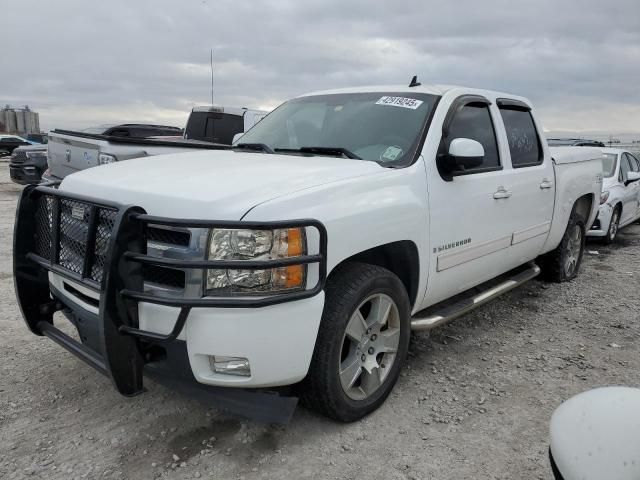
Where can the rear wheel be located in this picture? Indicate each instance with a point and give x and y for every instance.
(614, 226)
(362, 342)
(563, 263)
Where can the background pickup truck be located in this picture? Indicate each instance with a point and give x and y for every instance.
(307, 253)
(71, 151)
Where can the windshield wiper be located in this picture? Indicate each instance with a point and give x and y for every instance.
(257, 147)
(334, 151)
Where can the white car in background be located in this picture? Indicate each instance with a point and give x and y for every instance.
(620, 200)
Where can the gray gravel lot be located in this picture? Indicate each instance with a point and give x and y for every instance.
(474, 401)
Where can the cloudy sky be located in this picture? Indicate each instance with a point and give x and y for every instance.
(81, 63)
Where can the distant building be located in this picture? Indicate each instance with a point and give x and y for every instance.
(21, 121)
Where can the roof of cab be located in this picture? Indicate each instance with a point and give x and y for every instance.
(429, 89)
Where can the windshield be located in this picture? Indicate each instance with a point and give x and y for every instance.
(383, 127)
(609, 164)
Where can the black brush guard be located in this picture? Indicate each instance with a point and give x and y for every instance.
(110, 263)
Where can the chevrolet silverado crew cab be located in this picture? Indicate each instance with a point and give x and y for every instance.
(304, 255)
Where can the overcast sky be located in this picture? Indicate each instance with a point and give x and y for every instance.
(81, 63)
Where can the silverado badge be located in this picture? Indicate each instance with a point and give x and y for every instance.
(448, 246)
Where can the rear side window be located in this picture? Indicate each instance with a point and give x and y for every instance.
(524, 142)
(474, 121)
(222, 130)
(214, 127)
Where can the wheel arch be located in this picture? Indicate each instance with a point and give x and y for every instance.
(618, 204)
(400, 257)
(582, 207)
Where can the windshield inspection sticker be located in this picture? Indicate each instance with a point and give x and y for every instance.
(403, 102)
(391, 153)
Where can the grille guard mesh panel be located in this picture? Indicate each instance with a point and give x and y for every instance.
(76, 233)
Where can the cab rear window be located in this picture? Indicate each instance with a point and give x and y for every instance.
(524, 142)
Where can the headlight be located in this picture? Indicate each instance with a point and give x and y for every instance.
(37, 154)
(104, 158)
(236, 244)
(604, 196)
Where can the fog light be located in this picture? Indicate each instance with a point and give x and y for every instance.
(230, 365)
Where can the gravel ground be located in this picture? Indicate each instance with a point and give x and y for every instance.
(473, 402)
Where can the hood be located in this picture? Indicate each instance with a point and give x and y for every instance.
(216, 185)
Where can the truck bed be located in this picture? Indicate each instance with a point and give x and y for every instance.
(574, 167)
(70, 151)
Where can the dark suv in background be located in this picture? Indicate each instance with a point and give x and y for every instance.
(28, 163)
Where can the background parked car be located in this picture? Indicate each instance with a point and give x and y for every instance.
(208, 127)
(573, 142)
(135, 130)
(620, 199)
(8, 143)
(38, 137)
(28, 163)
(220, 124)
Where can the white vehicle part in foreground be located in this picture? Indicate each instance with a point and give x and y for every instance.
(595, 435)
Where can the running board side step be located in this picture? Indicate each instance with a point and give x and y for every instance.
(434, 318)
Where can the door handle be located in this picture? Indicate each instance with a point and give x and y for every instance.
(501, 193)
(546, 184)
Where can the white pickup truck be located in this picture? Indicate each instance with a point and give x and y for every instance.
(307, 253)
(207, 126)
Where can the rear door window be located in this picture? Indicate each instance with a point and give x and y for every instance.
(474, 121)
(524, 141)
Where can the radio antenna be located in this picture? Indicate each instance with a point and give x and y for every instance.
(212, 76)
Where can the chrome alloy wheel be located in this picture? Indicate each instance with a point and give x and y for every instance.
(369, 346)
(574, 245)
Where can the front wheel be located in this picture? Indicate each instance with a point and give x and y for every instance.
(563, 263)
(614, 225)
(362, 342)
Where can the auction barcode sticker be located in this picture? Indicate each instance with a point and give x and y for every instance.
(403, 102)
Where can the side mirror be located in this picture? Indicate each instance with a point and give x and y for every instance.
(236, 137)
(463, 154)
(632, 177)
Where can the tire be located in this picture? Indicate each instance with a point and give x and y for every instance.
(614, 226)
(339, 355)
(555, 263)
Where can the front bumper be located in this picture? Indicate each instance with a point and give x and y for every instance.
(277, 340)
(600, 225)
(124, 327)
(25, 174)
